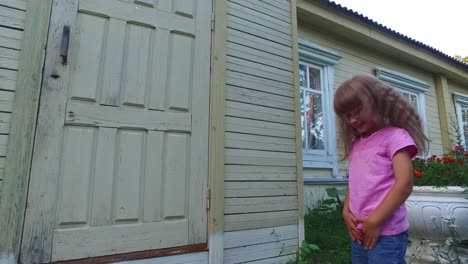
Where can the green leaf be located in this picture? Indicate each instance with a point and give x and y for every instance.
(314, 247)
(306, 251)
(329, 201)
(334, 192)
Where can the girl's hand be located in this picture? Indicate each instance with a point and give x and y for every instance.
(351, 225)
(371, 232)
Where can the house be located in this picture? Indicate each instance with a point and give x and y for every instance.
(339, 43)
(170, 131)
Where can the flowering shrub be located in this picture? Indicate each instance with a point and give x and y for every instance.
(448, 170)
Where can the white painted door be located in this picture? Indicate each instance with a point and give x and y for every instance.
(120, 160)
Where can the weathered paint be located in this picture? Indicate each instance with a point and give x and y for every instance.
(16, 178)
(180, 254)
(138, 169)
(260, 141)
(268, 245)
(298, 124)
(217, 105)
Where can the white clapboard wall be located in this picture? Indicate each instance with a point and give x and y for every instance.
(260, 158)
(272, 245)
(264, 245)
(12, 15)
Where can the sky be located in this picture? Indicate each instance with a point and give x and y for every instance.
(442, 25)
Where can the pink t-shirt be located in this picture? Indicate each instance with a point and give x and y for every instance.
(371, 175)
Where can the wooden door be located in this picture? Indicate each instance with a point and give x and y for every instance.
(120, 159)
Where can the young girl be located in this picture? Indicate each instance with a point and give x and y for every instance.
(381, 132)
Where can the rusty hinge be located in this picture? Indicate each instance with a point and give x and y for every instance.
(208, 198)
(212, 21)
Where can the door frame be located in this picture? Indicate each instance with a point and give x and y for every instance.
(216, 141)
(13, 195)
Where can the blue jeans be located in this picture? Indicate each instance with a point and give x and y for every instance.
(388, 250)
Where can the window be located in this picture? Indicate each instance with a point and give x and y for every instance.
(317, 116)
(409, 87)
(461, 107)
(311, 108)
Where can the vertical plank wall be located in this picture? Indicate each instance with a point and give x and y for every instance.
(12, 15)
(261, 215)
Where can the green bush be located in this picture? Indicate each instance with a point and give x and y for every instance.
(449, 170)
(324, 227)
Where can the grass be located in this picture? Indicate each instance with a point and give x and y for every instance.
(324, 227)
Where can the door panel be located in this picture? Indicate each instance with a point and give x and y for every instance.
(74, 184)
(121, 148)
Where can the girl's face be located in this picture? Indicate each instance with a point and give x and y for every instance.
(362, 121)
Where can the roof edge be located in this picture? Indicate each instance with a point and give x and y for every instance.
(386, 30)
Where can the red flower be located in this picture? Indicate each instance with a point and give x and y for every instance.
(417, 173)
(447, 159)
(449, 169)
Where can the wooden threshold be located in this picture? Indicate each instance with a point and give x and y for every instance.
(138, 255)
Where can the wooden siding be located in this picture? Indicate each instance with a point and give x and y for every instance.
(265, 245)
(260, 246)
(458, 88)
(354, 60)
(260, 157)
(12, 16)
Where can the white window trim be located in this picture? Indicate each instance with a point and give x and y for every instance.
(460, 99)
(322, 93)
(313, 54)
(406, 83)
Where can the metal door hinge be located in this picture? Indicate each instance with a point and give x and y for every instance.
(208, 198)
(212, 21)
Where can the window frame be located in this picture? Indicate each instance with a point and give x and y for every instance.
(460, 100)
(406, 83)
(323, 60)
(321, 92)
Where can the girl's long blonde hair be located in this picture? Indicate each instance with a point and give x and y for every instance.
(386, 104)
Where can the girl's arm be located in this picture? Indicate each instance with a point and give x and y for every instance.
(350, 221)
(397, 195)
